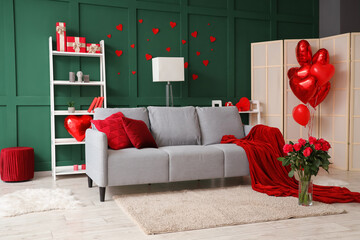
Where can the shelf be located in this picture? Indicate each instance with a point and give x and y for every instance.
(78, 112)
(68, 83)
(254, 111)
(67, 170)
(76, 54)
(67, 141)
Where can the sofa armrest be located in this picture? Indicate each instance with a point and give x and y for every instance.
(96, 156)
(247, 129)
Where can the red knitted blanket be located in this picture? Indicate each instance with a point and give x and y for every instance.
(263, 145)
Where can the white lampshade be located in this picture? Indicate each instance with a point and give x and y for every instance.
(168, 69)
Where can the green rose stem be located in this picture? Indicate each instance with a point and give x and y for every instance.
(304, 196)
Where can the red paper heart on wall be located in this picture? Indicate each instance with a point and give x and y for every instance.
(212, 39)
(304, 89)
(198, 53)
(109, 35)
(133, 72)
(140, 21)
(119, 27)
(148, 57)
(77, 125)
(195, 76)
(186, 64)
(206, 62)
(155, 30)
(119, 52)
(194, 34)
(183, 41)
(168, 49)
(173, 24)
(132, 45)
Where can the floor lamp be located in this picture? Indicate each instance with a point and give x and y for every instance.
(168, 69)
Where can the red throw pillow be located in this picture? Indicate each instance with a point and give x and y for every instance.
(138, 133)
(112, 126)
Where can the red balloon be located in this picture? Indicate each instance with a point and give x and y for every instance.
(301, 114)
(291, 72)
(322, 72)
(320, 95)
(77, 125)
(304, 89)
(303, 52)
(321, 56)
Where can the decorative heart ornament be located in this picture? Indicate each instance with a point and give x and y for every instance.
(194, 34)
(155, 30)
(195, 76)
(119, 27)
(148, 57)
(206, 62)
(168, 49)
(228, 104)
(132, 45)
(109, 35)
(186, 64)
(119, 52)
(77, 125)
(212, 39)
(304, 89)
(197, 53)
(141, 21)
(183, 41)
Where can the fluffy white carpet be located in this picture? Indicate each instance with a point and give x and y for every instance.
(328, 181)
(36, 200)
(197, 209)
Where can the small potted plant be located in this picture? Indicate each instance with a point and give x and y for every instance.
(71, 107)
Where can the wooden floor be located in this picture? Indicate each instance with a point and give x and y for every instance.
(106, 220)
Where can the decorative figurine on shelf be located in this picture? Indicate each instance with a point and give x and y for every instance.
(79, 74)
(71, 107)
(86, 78)
(71, 76)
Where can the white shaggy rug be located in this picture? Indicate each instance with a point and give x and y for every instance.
(36, 200)
(207, 208)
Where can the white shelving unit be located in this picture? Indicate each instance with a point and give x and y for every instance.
(65, 170)
(255, 110)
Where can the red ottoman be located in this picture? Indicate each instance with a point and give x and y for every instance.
(17, 164)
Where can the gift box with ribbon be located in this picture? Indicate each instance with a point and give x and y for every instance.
(61, 36)
(76, 44)
(93, 48)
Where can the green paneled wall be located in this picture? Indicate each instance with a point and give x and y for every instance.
(24, 62)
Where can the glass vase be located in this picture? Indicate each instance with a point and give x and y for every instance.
(305, 192)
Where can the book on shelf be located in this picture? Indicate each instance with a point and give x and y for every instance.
(92, 104)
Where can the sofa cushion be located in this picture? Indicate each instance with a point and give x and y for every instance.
(113, 128)
(174, 126)
(215, 122)
(235, 160)
(134, 113)
(193, 162)
(133, 166)
(138, 133)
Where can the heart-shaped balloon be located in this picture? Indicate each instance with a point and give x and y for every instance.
(321, 56)
(291, 72)
(322, 72)
(301, 114)
(320, 95)
(77, 125)
(243, 104)
(303, 52)
(304, 89)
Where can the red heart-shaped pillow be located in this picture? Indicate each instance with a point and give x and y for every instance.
(243, 104)
(77, 125)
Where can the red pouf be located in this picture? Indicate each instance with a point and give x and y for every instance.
(17, 164)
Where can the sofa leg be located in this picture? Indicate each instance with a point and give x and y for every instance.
(102, 194)
(90, 182)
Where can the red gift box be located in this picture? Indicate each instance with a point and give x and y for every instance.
(76, 44)
(93, 48)
(61, 36)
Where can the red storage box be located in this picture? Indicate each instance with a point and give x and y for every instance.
(17, 164)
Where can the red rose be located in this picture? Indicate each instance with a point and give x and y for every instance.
(287, 148)
(321, 140)
(326, 146)
(307, 151)
(312, 140)
(318, 146)
(302, 142)
(297, 146)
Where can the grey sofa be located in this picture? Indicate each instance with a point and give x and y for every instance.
(189, 147)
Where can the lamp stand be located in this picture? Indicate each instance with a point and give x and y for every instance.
(169, 95)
